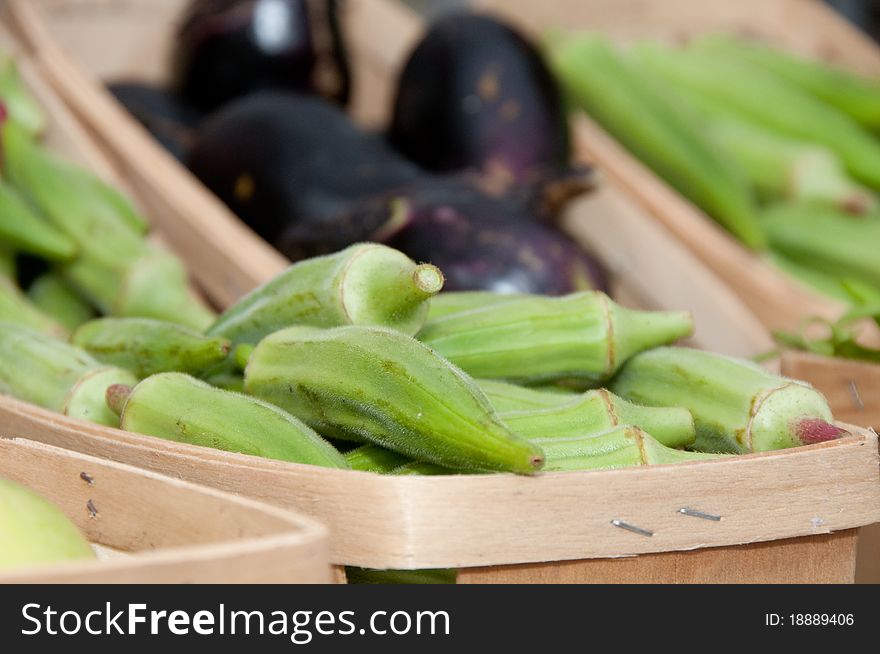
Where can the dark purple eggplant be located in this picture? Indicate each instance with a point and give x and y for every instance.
(169, 119)
(229, 48)
(488, 243)
(298, 172)
(476, 94)
(301, 174)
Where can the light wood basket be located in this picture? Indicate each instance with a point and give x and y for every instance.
(853, 391)
(116, 39)
(492, 524)
(787, 516)
(148, 528)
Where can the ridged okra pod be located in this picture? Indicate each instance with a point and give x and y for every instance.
(444, 304)
(826, 240)
(365, 284)
(56, 375)
(373, 458)
(584, 336)
(627, 102)
(181, 408)
(15, 307)
(775, 164)
(408, 577)
(769, 100)
(16, 99)
(54, 296)
(856, 96)
(153, 285)
(146, 346)
(379, 385)
(737, 405)
(620, 447)
(91, 213)
(512, 397)
(595, 412)
(784, 167)
(23, 230)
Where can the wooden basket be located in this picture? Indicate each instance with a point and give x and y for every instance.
(784, 517)
(853, 390)
(503, 521)
(148, 528)
(118, 39)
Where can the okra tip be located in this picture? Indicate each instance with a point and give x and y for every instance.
(116, 396)
(428, 279)
(816, 430)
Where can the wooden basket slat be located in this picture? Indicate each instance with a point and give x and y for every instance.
(169, 530)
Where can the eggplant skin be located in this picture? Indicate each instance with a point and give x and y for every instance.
(229, 48)
(476, 94)
(298, 171)
(492, 244)
(170, 120)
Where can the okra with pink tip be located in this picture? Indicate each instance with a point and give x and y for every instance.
(584, 336)
(737, 405)
(378, 385)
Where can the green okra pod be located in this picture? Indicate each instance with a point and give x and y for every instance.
(737, 406)
(146, 346)
(378, 385)
(181, 408)
(15, 307)
(621, 447)
(781, 166)
(595, 412)
(856, 96)
(368, 576)
(826, 240)
(627, 102)
(56, 375)
(153, 285)
(23, 230)
(827, 284)
(156, 286)
(373, 458)
(583, 336)
(20, 105)
(92, 214)
(511, 397)
(449, 302)
(228, 380)
(422, 469)
(50, 293)
(767, 99)
(365, 284)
